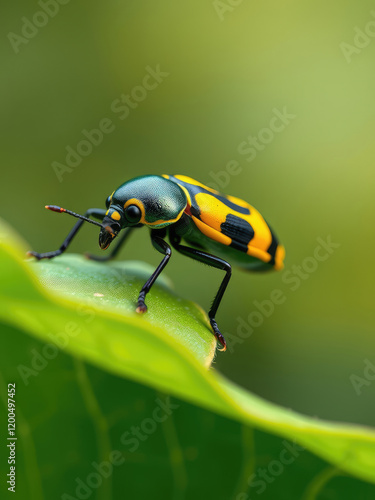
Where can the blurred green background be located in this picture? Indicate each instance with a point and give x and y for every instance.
(226, 76)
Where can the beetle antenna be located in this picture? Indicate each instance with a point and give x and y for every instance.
(60, 210)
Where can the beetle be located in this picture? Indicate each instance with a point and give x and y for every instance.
(216, 228)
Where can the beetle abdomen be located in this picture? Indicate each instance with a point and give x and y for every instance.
(231, 221)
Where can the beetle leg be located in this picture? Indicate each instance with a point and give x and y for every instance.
(97, 213)
(162, 247)
(218, 263)
(125, 235)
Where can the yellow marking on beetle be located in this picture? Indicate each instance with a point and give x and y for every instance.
(233, 199)
(258, 253)
(187, 194)
(213, 234)
(171, 221)
(279, 257)
(238, 201)
(139, 204)
(115, 215)
(107, 212)
(262, 234)
(193, 182)
(214, 214)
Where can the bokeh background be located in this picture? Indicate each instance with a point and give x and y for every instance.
(228, 70)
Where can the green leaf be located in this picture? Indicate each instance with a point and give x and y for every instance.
(86, 308)
(115, 286)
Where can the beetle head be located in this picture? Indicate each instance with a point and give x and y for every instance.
(149, 200)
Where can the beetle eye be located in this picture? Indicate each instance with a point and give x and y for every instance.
(133, 214)
(108, 201)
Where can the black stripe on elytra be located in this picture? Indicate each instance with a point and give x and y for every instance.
(194, 190)
(239, 230)
(273, 247)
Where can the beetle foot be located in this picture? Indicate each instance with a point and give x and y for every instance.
(219, 337)
(30, 253)
(40, 256)
(141, 306)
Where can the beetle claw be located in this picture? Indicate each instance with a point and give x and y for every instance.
(218, 335)
(141, 308)
(46, 255)
(37, 255)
